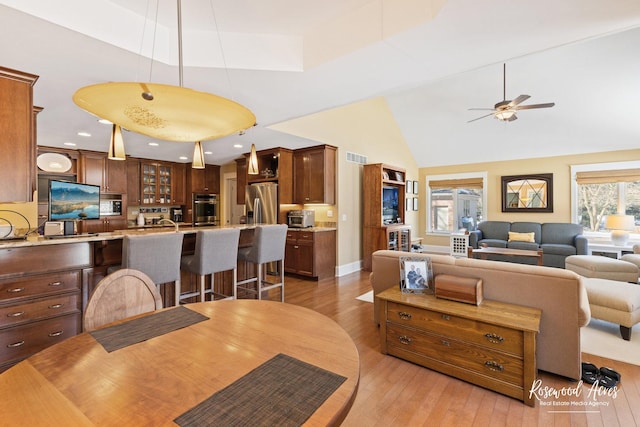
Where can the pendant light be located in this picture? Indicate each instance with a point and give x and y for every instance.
(116, 145)
(253, 162)
(198, 156)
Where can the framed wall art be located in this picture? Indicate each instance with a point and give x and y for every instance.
(527, 193)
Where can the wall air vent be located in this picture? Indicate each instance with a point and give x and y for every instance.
(356, 158)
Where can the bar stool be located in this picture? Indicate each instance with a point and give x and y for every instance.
(268, 246)
(157, 255)
(216, 251)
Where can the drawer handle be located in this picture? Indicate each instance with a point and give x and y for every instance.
(15, 290)
(494, 338)
(445, 343)
(404, 339)
(446, 317)
(56, 283)
(55, 334)
(404, 315)
(15, 344)
(16, 314)
(54, 306)
(494, 366)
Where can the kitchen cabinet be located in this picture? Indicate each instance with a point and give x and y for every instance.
(275, 165)
(156, 182)
(103, 225)
(241, 180)
(97, 169)
(492, 345)
(204, 181)
(40, 298)
(179, 179)
(133, 181)
(310, 253)
(314, 171)
(18, 143)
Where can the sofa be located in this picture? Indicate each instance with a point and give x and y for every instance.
(560, 294)
(557, 240)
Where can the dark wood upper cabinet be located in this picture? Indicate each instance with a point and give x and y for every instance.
(110, 175)
(205, 181)
(314, 171)
(18, 143)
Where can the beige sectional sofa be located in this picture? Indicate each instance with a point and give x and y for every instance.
(560, 294)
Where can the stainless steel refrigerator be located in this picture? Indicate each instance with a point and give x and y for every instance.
(261, 201)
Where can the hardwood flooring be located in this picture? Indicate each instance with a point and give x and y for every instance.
(393, 392)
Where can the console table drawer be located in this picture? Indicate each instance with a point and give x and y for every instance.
(22, 341)
(479, 359)
(494, 336)
(50, 307)
(39, 285)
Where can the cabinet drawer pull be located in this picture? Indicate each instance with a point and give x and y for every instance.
(404, 339)
(57, 283)
(55, 334)
(15, 344)
(404, 315)
(494, 366)
(54, 306)
(15, 314)
(446, 317)
(15, 290)
(494, 338)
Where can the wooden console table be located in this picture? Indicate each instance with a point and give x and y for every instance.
(492, 345)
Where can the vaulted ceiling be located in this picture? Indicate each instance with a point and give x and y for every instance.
(431, 60)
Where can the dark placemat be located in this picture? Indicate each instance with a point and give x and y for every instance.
(283, 391)
(137, 330)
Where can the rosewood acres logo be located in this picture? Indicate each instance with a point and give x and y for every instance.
(573, 399)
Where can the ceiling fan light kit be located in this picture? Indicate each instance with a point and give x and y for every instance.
(506, 110)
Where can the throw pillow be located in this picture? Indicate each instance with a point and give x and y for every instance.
(522, 237)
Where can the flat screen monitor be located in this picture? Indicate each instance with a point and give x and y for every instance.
(72, 200)
(390, 210)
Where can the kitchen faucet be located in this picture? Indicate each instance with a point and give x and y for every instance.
(170, 222)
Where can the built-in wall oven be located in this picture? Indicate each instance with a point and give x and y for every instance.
(205, 209)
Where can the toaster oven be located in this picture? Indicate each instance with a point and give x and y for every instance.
(301, 218)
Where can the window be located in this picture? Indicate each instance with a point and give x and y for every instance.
(602, 189)
(455, 201)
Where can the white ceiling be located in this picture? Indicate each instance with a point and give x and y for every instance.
(580, 54)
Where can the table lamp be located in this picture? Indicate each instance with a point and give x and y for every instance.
(620, 225)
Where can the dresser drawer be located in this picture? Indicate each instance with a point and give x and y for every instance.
(484, 334)
(39, 285)
(496, 365)
(41, 309)
(23, 341)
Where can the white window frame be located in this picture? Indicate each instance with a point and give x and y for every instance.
(484, 175)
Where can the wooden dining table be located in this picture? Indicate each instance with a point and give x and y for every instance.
(153, 382)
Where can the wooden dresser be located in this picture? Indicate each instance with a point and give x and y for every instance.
(492, 345)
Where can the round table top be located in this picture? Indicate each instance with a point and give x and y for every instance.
(77, 382)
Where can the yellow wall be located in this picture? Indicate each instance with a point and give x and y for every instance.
(29, 210)
(560, 167)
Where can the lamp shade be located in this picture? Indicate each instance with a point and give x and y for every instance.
(198, 156)
(620, 222)
(116, 145)
(253, 161)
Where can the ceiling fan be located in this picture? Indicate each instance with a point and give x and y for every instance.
(505, 110)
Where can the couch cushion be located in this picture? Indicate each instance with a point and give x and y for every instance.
(527, 246)
(494, 243)
(495, 230)
(556, 249)
(528, 227)
(560, 233)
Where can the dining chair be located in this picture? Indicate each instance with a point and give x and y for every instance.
(122, 294)
(215, 251)
(268, 247)
(155, 254)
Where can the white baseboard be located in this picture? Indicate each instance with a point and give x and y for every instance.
(343, 270)
(436, 249)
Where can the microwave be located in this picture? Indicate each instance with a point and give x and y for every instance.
(301, 218)
(110, 207)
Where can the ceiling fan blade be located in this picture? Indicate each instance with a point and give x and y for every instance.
(532, 106)
(481, 117)
(518, 100)
(481, 109)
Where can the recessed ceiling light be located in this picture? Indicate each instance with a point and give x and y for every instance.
(208, 152)
(84, 134)
(182, 158)
(70, 144)
(153, 144)
(237, 145)
(105, 122)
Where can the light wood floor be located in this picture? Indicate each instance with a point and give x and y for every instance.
(393, 392)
